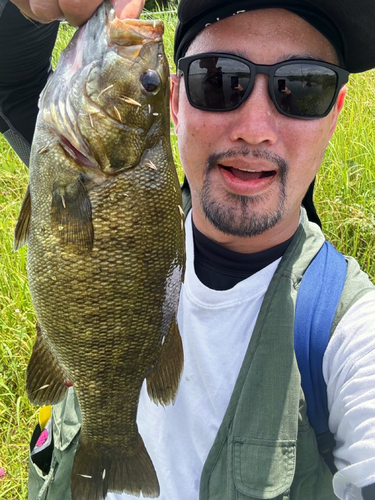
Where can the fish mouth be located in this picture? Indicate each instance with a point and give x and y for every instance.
(134, 32)
(129, 36)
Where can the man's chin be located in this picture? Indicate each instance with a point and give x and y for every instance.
(243, 222)
(240, 215)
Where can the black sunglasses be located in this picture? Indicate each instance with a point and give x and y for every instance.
(299, 88)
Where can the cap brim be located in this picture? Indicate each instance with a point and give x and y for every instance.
(354, 19)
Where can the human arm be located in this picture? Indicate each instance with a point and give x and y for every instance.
(349, 371)
(25, 65)
(74, 11)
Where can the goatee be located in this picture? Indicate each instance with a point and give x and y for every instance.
(234, 214)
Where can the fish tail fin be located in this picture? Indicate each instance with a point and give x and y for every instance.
(163, 381)
(98, 469)
(45, 379)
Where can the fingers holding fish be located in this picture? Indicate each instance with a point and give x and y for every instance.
(126, 9)
(76, 12)
(43, 11)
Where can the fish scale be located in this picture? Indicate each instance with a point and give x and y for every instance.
(102, 220)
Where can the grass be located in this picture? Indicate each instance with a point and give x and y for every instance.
(345, 193)
(345, 200)
(17, 416)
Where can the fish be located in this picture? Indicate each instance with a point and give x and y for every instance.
(103, 221)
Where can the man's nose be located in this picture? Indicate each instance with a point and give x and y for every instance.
(256, 121)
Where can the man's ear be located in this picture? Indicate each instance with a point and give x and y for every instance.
(173, 99)
(337, 109)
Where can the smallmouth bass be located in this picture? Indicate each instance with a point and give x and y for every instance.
(104, 226)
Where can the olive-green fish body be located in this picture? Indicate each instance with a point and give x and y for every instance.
(103, 223)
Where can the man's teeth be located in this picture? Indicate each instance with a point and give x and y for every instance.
(247, 170)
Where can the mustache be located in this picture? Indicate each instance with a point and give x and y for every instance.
(262, 154)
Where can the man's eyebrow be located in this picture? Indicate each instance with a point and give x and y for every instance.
(304, 55)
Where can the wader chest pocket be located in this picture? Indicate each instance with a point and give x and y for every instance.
(66, 425)
(263, 469)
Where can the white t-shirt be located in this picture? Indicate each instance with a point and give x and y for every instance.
(216, 327)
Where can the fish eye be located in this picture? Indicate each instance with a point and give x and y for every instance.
(150, 81)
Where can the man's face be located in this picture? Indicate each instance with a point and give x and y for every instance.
(250, 168)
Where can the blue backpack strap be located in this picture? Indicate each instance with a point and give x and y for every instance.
(317, 299)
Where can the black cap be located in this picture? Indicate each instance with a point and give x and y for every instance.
(347, 24)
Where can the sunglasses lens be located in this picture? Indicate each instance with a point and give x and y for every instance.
(217, 83)
(305, 90)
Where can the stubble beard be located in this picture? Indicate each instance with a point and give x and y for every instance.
(237, 215)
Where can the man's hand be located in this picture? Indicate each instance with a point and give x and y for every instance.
(76, 12)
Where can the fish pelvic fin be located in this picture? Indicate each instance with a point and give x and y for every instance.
(163, 381)
(72, 215)
(23, 223)
(99, 469)
(46, 381)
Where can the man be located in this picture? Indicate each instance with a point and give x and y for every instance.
(239, 427)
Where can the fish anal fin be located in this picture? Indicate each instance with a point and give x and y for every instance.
(163, 381)
(46, 381)
(72, 215)
(100, 468)
(23, 223)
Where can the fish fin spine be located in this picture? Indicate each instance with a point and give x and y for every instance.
(21, 231)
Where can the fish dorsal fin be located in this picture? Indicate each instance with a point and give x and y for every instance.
(22, 228)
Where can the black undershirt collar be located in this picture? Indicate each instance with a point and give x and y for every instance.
(221, 269)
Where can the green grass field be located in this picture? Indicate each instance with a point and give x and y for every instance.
(345, 201)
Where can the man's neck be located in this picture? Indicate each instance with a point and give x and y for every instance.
(219, 268)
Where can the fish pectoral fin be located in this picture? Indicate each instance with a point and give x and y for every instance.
(72, 215)
(46, 381)
(23, 223)
(99, 468)
(163, 381)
